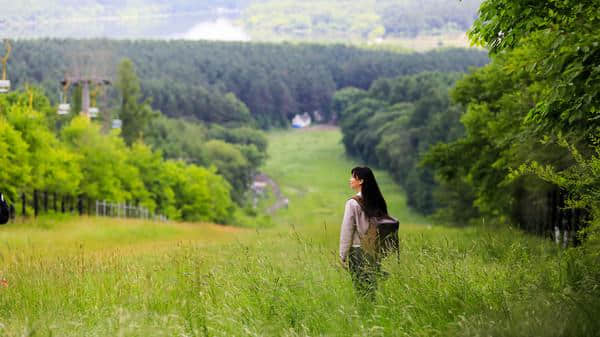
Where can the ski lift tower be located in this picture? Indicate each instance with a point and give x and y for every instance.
(4, 82)
(85, 82)
(89, 68)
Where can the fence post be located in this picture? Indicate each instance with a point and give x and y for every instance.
(80, 205)
(24, 204)
(35, 203)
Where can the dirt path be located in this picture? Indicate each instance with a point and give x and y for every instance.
(261, 181)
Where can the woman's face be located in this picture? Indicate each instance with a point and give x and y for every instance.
(355, 184)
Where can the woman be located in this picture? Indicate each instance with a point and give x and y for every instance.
(355, 232)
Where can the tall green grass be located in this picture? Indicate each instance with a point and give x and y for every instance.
(68, 278)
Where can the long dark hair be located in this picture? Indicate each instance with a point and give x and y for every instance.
(373, 203)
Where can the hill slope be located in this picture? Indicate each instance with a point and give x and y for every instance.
(285, 281)
(313, 170)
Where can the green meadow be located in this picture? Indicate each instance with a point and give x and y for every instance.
(109, 277)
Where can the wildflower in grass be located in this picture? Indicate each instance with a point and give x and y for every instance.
(3, 283)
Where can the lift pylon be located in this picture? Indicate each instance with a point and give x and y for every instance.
(85, 82)
(64, 108)
(4, 82)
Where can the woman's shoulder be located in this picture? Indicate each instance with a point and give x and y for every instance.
(352, 202)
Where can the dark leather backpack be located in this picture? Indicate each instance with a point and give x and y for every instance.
(382, 237)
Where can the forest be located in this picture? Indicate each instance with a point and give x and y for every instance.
(184, 170)
(231, 83)
(513, 142)
(393, 124)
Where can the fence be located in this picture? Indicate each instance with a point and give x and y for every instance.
(545, 212)
(125, 210)
(43, 202)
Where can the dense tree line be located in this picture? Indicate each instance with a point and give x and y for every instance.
(233, 82)
(188, 170)
(530, 155)
(530, 121)
(394, 123)
(236, 153)
(81, 160)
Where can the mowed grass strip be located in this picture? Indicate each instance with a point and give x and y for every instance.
(313, 170)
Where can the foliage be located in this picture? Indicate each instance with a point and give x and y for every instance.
(234, 83)
(49, 164)
(84, 161)
(564, 40)
(135, 115)
(230, 163)
(540, 87)
(532, 130)
(15, 167)
(177, 139)
(237, 153)
(495, 141)
(201, 194)
(394, 124)
(197, 102)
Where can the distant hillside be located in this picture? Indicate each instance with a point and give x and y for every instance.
(323, 20)
(358, 19)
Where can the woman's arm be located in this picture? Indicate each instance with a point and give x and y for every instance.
(347, 230)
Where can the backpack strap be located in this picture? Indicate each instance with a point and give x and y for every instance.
(359, 200)
(361, 203)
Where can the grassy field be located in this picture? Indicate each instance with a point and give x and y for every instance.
(105, 277)
(313, 172)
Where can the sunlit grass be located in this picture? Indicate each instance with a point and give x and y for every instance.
(313, 170)
(108, 277)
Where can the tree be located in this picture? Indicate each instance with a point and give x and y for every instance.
(135, 114)
(15, 167)
(231, 164)
(395, 122)
(564, 54)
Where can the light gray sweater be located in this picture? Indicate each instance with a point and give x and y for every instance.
(354, 225)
